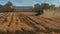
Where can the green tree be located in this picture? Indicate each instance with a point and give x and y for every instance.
(1, 6)
(8, 7)
(52, 7)
(36, 7)
(45, 5)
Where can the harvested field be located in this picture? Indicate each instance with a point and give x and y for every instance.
(28, 23)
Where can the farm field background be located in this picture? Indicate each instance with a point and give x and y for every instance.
(20, 22)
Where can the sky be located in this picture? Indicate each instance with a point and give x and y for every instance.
(30, 2)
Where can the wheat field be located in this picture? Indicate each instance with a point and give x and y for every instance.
(28, 23)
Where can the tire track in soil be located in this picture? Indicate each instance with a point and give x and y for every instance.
(3, 14)
(52, 19)
(47, 25)
(50, 22)
(3, 17)
(1, 22)
(12, 26)
(25, 27)
(33, 24)
(39, 28)
(18, 23)
(5, 25)
(56, 18)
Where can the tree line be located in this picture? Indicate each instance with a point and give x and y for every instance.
(8, 7)
(44, 6)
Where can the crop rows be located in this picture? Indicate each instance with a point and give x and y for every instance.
(19, 22)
